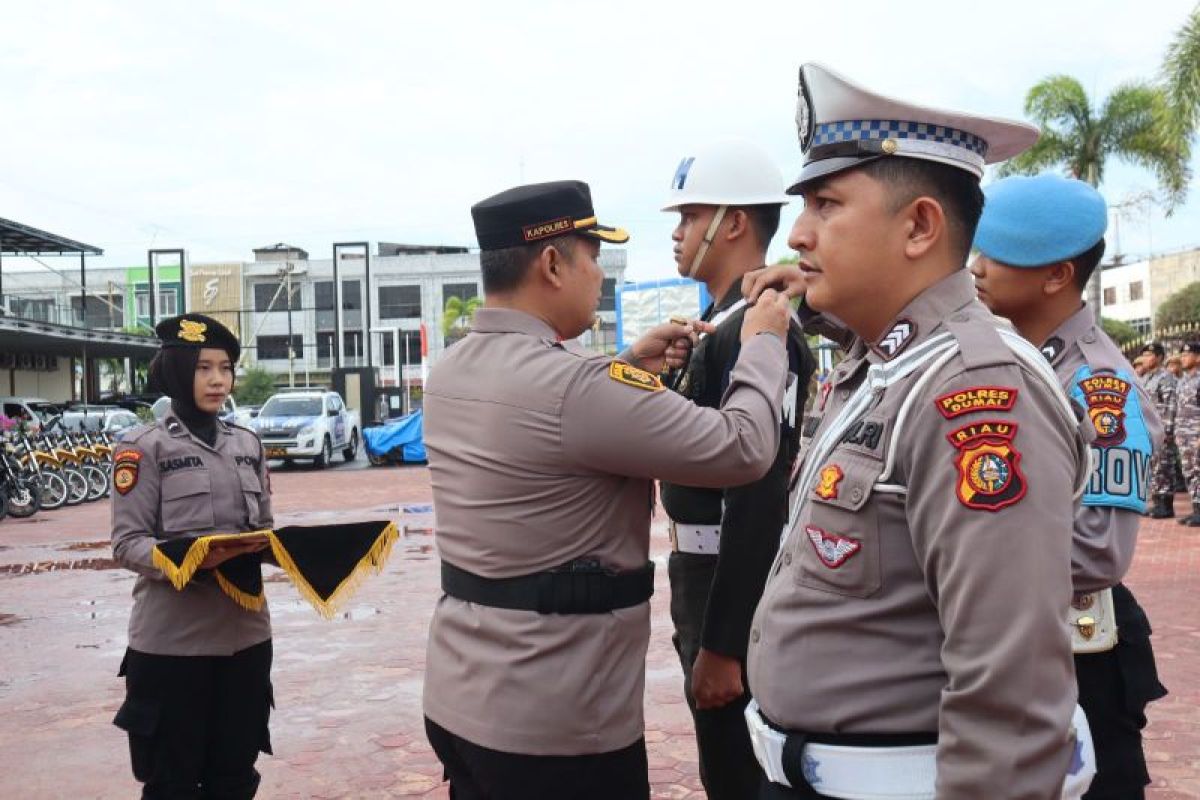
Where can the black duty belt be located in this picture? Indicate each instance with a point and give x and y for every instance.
(580, 587)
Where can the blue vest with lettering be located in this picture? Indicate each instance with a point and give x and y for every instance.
(1121, 476)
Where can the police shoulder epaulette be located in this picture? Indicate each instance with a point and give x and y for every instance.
(979, 343)
(243, 428)
(136, 432)
(1100, 352)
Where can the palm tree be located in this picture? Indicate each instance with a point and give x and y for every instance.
(1181, 74)
(1132, 125)
(458, 312)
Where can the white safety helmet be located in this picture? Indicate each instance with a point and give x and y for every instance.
(728, 172)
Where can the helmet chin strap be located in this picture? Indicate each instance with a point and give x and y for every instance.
(709, 235)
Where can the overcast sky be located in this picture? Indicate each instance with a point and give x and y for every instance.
(220, 127)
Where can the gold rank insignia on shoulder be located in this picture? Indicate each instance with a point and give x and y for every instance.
(191, 331)
(625, 373)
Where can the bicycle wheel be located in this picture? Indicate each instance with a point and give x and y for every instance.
(97, 482)
(54, 489)
(24, 498)
(77, 486)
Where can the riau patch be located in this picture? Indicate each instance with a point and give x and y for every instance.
(976, 399)
(125, 476)
(827, 482)
(989, 472)
(625, 373)
(1105, 395)
(192, 331)
(897, 338)
(127, 455)
(832, 549)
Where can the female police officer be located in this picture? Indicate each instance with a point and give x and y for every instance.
(197, 669)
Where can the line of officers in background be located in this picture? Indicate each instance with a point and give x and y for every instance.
(1173, 384)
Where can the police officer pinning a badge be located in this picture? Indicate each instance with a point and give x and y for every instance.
(197, 669)
(910, 641)
(728, 196)
(1039, 240)
(1161, 386)
(542, 457)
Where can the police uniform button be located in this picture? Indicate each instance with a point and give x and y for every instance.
(787, 558)
(1089, 337)
(843, 394)
(754, 636)
(959, 318)
(856, 494)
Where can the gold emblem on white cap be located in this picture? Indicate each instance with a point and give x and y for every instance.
(889, 146)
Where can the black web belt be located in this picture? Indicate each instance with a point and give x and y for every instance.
(580, 587)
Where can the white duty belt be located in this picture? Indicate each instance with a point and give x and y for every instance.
(702, 540)
(888, 773)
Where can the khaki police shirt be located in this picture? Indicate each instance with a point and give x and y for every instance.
(1106, 526)
(929, 596)
(184, 487)
(539, 457)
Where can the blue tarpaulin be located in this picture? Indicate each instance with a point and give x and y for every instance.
(404, 433)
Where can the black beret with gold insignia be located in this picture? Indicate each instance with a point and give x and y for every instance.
(537, 211)
(197, 330)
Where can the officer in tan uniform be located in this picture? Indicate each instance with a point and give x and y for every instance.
(911, 640)
(542, 457)
(198, 666)
(1039, 240)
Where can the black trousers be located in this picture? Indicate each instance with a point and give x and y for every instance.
(479, 773)
(1114, 689)
(728, 768)
(196, 724)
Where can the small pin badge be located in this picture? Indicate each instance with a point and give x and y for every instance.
(889, 146)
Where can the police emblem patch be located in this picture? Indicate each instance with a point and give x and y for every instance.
(191, 331)
(975, 399)
(833, 550)
(125, 471)
(1105, 395)
(625, 373)
(827, 482)
(989, 474)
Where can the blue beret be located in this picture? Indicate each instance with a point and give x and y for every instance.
(1031, 222)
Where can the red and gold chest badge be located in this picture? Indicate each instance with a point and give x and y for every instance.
(1105, 395)
(989, 465)
(833, 550)
(125, 471)
(827, 482)
(630, 375)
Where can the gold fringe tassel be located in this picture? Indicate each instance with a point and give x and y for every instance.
(247, 601)
(371, 563)
(179, 576)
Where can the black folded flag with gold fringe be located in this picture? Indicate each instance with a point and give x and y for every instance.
(325, 562)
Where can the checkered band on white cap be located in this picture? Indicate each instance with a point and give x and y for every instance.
(868, 129)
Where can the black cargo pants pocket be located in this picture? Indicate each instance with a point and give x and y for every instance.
(139, 718)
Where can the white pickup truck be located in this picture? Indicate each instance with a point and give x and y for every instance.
(309, 423)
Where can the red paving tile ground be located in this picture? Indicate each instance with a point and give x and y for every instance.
(348, 723)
